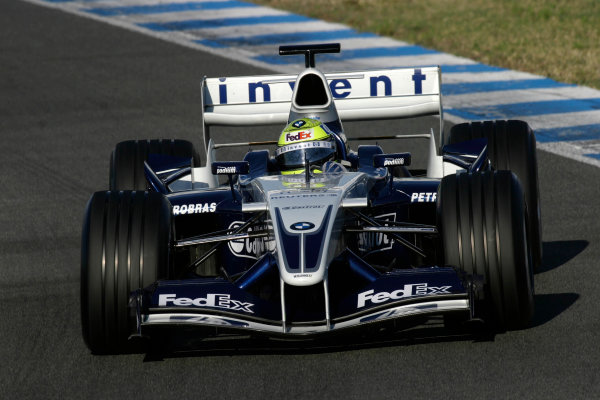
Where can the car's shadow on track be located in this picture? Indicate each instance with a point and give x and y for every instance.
(556, 254)
(560, 252)
(549, 306)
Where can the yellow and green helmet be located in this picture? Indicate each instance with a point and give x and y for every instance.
(304, 141)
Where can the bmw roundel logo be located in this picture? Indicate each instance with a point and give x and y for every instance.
(302, 226)
(299, 123)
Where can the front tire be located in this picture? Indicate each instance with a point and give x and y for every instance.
(125, 247)
(482, 218)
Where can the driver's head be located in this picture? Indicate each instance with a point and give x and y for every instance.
(304, 141)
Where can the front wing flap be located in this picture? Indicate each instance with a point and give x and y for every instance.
(222, 304)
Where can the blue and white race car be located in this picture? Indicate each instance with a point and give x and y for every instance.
(312, 237)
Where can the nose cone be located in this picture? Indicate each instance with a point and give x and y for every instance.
(303, 223)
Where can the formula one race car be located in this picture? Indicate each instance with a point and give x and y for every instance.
(313, 238)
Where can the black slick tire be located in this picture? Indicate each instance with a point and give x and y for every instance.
(482, 223)
(511, 146)
(125, 246)
(127, 160)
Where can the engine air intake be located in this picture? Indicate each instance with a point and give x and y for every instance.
(311, 91)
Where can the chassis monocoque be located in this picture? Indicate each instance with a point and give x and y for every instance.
(235, 246)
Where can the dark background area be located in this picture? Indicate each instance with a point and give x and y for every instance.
(71, 88)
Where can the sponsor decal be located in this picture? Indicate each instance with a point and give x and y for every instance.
(389, 162)
(370, 241)
(302, 226)
(265, 89)
(251, 247)
(423, 197)
(397, 312)
(340, 88)
(226, 170)
(303, 145)
(418, 79)
(418, 289)
(298, 135)
(300, 181)
(303, 207)
(203, 319)
(382, 85)
(302, 275)
(230, 167)
(198, 208)
(312, 196)
(211, 300)
(385, 81)
(299, 124)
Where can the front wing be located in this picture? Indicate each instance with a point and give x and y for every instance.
(220, 303)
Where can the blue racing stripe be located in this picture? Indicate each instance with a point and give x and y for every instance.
(284, 38)
(494, 86)
(386, 52)
(503, 111)
(470, 68)
(168, 8)
(223, 22)
(357, 53)
(580, 132)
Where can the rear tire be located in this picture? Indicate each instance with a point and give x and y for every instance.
(482, 219)
(127, 160)
(511, 146)
(125, 247)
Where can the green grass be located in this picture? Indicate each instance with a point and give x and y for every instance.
(559, 39)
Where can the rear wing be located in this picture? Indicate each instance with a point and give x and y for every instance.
(361, 95)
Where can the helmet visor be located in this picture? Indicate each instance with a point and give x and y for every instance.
(295, 155)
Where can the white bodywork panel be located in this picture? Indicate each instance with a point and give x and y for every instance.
(361, 95)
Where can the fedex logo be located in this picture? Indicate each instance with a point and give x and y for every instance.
(211, 300)
(302, 135)
(419, 289)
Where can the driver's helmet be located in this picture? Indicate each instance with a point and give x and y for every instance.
(304, 141)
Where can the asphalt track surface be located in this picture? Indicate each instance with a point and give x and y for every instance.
(71, 88)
